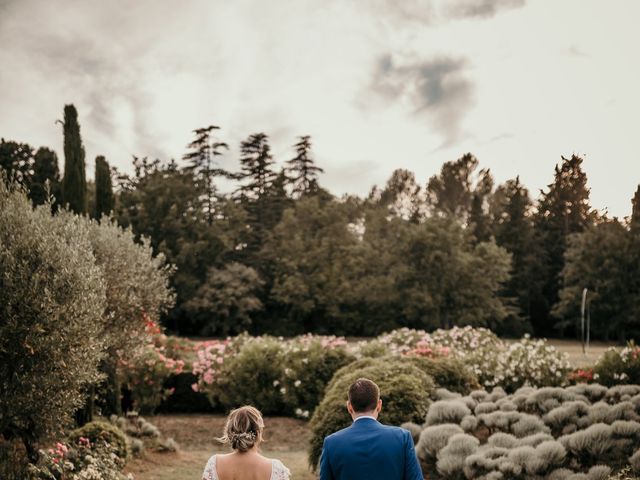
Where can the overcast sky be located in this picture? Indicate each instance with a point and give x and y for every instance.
(379, 84)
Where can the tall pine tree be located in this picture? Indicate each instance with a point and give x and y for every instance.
(513, 230)
(302, 170)
(105, 201)
(74, 183)
(202, 153)
(563, 209)
(257, 177)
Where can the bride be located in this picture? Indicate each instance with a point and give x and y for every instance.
(243, 432)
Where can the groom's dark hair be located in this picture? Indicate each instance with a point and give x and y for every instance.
(364, 395)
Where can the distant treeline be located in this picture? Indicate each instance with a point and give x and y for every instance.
(281, 254)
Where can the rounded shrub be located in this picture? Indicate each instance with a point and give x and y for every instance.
(98, 432)
(404, 388)
(449, 373)
(251, 377)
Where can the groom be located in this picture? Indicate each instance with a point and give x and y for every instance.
(368, 450)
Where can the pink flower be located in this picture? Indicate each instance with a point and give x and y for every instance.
(195, 387)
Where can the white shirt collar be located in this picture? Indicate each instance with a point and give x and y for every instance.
(364, 416)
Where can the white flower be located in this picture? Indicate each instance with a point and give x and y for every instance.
(276, 383)
(297, 383)
(283, 390)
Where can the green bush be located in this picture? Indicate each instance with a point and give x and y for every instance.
(252, 377)
(309, 369)
(449, 373)
(404, 388)
(98, 432)
(277, 376)
(617, 366)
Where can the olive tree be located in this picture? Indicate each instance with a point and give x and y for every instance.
(52, 295)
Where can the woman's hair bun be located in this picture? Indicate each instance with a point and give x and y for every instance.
(243, 429)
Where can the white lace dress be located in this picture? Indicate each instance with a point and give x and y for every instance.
(278, 470)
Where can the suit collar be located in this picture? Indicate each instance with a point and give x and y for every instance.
(364, 422)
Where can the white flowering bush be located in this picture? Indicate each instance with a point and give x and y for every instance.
(619, 365)
(277, 375)
(494, 361)
(526, 362)
(581, 431)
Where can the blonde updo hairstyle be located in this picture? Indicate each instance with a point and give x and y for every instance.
(243, 429)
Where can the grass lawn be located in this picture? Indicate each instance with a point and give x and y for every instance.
(286, 439)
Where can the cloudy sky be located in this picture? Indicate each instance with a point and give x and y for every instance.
(379, 84)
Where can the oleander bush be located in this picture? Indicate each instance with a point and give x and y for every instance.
(582, 431)
(404, 388)
(494, 361)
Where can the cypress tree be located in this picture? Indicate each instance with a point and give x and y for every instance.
(635, 212)
(74, 183)
(104, 190)
(45, 180)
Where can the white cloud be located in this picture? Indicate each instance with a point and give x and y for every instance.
(499, 78)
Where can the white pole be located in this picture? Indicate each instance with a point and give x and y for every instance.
(582, 309)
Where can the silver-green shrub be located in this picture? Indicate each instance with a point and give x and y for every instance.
(52, 297)
(547, 433)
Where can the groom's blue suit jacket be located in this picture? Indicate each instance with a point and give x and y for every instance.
(368, 450)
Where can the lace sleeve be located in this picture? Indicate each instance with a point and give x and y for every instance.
(210, 470)
(280, 472)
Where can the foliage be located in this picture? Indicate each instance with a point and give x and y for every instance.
(449, 373)
(160, 202)
(105, 201)
(604, 259)
(619, 366)
(513, 230)
(74, 182)
(277, 376)
(493, 361)
(146, 371)
(563, 209)
(143, 435)
(302, 170)
(45, 180)
(99, 430)
(547, 433)
(225, 302)
(52, 295)
(404, 388)
(84, 458)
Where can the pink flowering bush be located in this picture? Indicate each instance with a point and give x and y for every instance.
(145, 371)
(96, 452)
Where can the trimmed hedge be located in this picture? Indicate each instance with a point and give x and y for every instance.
(404, 388)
